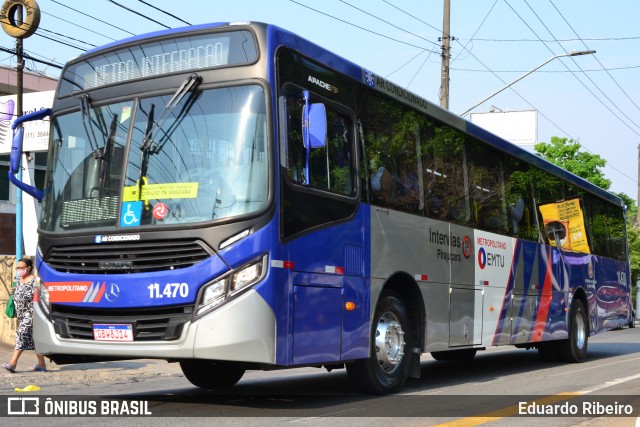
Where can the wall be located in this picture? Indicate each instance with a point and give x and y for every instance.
(8, 233)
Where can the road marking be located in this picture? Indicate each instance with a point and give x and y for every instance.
(514, 409)
(610, 383)
(592, 367)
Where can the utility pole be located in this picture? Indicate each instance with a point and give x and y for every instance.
(638, 200)
(19, 19)
(446, 49)
(19, 85)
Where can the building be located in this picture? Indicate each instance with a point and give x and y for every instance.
(32, 82)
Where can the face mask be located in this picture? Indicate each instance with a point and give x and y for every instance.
(23, 273)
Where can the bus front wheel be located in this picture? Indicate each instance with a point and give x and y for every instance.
(210, 375)
(387, 368)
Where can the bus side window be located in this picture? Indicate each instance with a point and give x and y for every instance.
(443, 173)
(486, 188)
(519, 197)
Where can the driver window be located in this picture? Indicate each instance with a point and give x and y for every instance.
(331, 167)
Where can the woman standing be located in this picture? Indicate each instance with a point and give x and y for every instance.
(23, 299)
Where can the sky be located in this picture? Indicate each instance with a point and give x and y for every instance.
(592, 99)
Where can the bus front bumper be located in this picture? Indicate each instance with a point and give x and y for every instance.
(242, 330)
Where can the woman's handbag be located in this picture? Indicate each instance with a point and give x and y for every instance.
(10, 310)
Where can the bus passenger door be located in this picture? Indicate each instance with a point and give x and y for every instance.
(465, 323)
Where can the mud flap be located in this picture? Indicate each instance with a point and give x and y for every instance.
(415, 371)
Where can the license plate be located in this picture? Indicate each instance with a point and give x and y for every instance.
(112, 332)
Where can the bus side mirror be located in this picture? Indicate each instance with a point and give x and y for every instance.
(556, 232)
(314, 130)
(316, 124)
(16, 151)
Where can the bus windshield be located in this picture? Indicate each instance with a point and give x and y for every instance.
(205, 162)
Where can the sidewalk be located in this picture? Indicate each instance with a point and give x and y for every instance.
(59, 377)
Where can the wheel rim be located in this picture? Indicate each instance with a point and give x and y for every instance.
(389, 342)
(581, 332)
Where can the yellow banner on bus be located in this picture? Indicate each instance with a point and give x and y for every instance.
(565, 215)
(174, 190)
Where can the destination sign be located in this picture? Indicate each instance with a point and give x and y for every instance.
(159, 57)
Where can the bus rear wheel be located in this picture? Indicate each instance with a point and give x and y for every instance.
(210, 375)
(387, 368)
(574, 349)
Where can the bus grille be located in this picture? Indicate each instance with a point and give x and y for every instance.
(157, 324)
(133, 257)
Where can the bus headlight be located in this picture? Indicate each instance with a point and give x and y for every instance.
(213, 295)
(248, 275)
(43, 297)
(216, 292)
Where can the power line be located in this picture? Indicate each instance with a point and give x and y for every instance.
(59, 41)
(559, 40)
(477, 59)
(576, 77)
(79, 26)
(163, 11)
(68, 37)
(601, 65)
(420, 68)
(581, 82)
(417, 19)
(361, 28)
(594, 70)
(520, 96)
(407, 63)
(389, 23)
(470, 53)
(26, 56)
(138, 13)
(93, 17)
(477, 29)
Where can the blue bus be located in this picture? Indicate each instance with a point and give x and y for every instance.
(234, 197)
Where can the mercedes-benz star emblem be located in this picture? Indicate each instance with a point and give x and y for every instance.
(112, 293)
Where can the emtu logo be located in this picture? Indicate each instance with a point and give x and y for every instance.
(482, 258)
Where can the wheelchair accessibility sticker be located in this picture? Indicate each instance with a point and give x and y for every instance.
(131, 214)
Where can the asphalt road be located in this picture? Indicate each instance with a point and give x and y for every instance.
(487, 390)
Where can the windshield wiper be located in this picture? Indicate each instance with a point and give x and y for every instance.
(99, 153)
(148, 146)
(105, 158)
(88, 123)
(190, 86)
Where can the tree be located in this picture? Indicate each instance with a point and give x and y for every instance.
(566, 154)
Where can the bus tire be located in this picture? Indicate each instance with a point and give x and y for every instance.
(29, 23)
(210, 375)
(387, 368)
(464, 355)
(574, 349)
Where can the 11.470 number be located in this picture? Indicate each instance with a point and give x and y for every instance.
(170, 290)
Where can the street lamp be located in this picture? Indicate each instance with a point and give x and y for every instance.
(574, 53)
